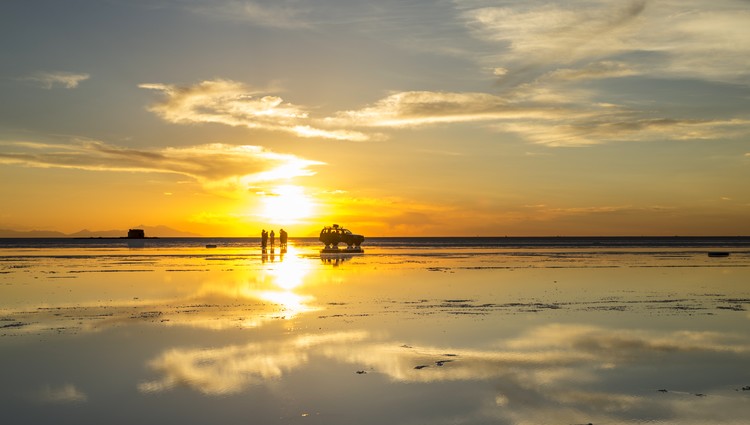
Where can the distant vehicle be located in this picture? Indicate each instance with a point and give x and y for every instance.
(334, 235)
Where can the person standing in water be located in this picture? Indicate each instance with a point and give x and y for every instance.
(263, 239)
(282, 237)
(272, 236)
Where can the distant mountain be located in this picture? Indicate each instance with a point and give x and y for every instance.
(86, 233)
(4, 233)
(151, 231)
(164, 231)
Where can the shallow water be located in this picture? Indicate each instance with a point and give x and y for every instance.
(403, 334)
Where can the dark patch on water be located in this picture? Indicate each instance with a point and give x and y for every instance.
(13, 325)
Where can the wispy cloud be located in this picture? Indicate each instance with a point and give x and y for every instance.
(415, 108)
(597, 130)
(232, 103)
(547, 111)
(555, 32)
(48, 80)
(213, 165)
(540, 115)
(278, 14)
(688, 38)
(66, 394)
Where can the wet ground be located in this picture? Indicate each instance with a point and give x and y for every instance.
(397, 336)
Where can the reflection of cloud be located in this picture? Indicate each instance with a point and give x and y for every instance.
(549, 354)
(560, 371)
(624, 343)
(49, 80)
(213, 165)
(230, 369)
(65, 394)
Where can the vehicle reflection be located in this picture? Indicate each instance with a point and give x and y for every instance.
(335, 259)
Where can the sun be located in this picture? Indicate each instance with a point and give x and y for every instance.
(286, 204)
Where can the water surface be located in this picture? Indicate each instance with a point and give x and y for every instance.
(436, 330)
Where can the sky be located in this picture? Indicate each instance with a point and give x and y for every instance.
(391, 118)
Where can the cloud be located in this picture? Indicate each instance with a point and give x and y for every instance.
(551, 110)
(65, 394)
(232, 103)
(48, 80)
(538, 115)
(278, 14)
(690, 38)
(597, 130)
(558, 33)
(592, 71)
(214, 165)
(417, 108)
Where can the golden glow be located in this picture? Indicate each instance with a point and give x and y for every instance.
(287, 275)
(287, 204)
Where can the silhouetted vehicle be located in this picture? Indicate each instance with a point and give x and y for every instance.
(334, 235)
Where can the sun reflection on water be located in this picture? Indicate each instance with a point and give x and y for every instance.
(284, 277)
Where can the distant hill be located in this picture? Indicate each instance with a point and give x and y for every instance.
(4, 233)
(151, 231)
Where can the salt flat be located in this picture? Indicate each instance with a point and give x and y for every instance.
(395, 335)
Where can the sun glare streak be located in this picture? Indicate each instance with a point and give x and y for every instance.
(288, 275)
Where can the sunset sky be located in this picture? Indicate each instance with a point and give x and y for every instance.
(393, 118)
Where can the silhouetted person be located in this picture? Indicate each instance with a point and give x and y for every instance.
(272, 236)
(264, 238)
(282, 237)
